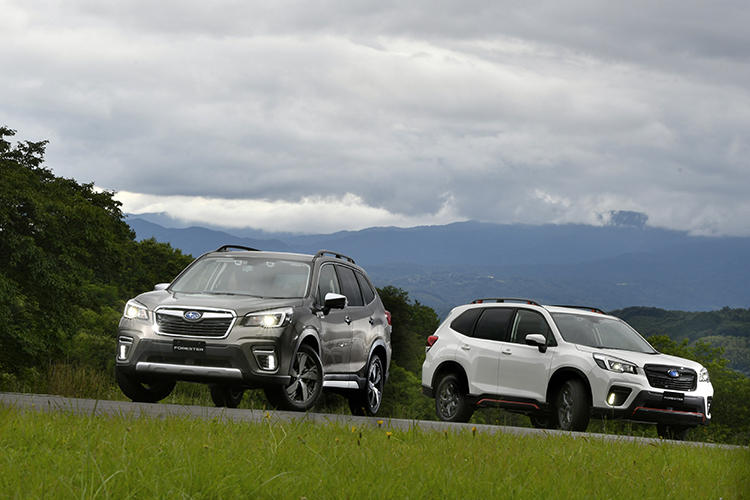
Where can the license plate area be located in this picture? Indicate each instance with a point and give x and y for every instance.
(673, 397)
(189, 346)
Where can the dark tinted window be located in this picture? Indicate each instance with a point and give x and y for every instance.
(493, 324)
(349, 286)
(367, 292)
(465, 322)
(327, 283)
(527, 322)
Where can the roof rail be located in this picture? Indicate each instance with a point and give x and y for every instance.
(338, 255)
(585, 308)
(225, 248)
(505, 299)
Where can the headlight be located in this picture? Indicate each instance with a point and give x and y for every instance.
(134, 310)
(703, 375)
(269, 319)
(614, 364)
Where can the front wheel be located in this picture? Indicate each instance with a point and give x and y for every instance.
(676, 432)
(143, 391)
(226, 395)
(572, 406)
(451, 404)
(305, 386)
(543, 421)
(367, 402)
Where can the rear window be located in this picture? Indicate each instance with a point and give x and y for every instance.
(493, 324)
(367, 292)
(349, 286)
(464, 323)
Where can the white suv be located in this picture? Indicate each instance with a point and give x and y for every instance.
(560, 365)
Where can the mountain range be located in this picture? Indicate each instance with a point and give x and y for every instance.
(611, 267)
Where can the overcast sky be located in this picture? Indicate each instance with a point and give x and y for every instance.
(320, 116)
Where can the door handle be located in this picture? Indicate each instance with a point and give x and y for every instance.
(507, 351)
(466, 347)
(348, 320)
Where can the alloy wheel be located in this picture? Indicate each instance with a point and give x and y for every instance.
(375, 384)
(305, 379)
(449, 400)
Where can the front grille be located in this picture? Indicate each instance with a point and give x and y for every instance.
(657, 376)
(173, 324)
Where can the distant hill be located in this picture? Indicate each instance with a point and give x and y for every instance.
(726, 328)
(441, 266)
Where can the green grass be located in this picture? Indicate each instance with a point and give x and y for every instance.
(60, 455)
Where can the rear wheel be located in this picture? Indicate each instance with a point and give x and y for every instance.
(226, 395)
(572, 406)
(676, 432)
(305, 386)
(451, 404)
(143, 390)
(367, 401)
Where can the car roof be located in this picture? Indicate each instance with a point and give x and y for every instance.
(261, 254)
(523, 303)
(301, 257)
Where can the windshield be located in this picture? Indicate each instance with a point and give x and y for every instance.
(593, 331)
(258, 277)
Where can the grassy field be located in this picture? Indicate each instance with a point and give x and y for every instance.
(61, 455)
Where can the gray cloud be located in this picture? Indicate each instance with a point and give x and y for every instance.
(534, 112)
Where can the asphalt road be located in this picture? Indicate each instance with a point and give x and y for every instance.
(41, 402)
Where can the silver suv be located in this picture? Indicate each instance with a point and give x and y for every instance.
(238, 318)
(560, 365)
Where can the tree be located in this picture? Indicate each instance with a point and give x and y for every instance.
(67, 260)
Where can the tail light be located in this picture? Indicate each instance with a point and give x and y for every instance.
(430, 342)
(388, 316)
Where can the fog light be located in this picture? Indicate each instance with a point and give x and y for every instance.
(123, 347)
(266, 360)
(618, 395)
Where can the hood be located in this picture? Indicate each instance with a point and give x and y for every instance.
(641, 358)
(240, 304)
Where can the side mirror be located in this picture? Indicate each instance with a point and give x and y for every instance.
(161, 286)
(538, 340)
(334, 301)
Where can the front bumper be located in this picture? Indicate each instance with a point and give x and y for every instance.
(655, 407)
(228, 363)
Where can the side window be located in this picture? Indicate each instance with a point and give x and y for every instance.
(328, 282)
(367, 292)
(527, 322)
(493, 324)
(464, 323)
(349, 285)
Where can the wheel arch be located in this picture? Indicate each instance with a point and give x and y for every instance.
(379, 348)
(309, 337)
(454, 367)
(563, 374)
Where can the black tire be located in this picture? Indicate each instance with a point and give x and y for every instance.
(675, 432)
(451, 404)
(143, 390)
(543, 421)
(572, 410)
(367, 401)
(226, 395)
(304, 390)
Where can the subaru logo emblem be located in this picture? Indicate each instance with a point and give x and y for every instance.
(673, 372)
(192, 315)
